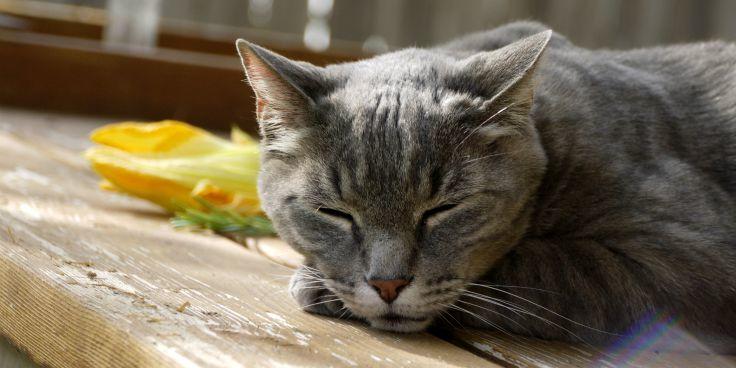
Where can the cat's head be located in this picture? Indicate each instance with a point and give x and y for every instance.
(400, 178)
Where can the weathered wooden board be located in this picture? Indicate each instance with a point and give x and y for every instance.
(10, 357)
(519, 351)
(90, 279)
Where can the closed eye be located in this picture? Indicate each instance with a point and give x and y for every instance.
(436, 211)
(335, 213)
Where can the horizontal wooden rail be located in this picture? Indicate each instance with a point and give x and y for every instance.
(88, 23)
(76, 75)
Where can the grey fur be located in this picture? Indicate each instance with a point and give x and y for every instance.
(615, 188)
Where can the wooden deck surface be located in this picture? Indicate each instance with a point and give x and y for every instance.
(92, 279)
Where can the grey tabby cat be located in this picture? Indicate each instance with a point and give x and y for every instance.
(508, 179)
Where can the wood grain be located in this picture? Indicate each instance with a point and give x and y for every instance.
(519, 351)
(90, 279)
(11, 357)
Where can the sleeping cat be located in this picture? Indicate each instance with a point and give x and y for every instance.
(508, 180)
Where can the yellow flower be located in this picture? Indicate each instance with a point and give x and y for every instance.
(172, 163)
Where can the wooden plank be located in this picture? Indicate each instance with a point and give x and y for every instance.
(75, 75)
(12, 357)
(72, 256)
(82, 76)
(90, 279)
(519, 351)
(113, 263)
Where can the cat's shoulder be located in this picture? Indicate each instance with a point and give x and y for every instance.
(693, 53)
(501, 36)
(695, 56)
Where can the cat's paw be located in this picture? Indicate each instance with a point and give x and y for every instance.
(312, 296)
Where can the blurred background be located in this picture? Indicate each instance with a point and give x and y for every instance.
(156, 59)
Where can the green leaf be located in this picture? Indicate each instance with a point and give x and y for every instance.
(221, 221)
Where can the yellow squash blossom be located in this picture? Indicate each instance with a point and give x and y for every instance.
(174, 164)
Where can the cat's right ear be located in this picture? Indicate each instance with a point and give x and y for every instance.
(504, 79)
(285, 91)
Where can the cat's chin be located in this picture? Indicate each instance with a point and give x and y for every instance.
(397, 323)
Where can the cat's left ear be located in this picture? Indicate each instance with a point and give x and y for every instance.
(504, 77)
(285, 91)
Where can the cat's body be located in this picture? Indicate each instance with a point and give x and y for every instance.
(614, 192)
(637, 211)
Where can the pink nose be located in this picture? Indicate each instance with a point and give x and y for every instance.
(389, 289)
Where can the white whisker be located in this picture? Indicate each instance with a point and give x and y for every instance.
(444, 314)
(482, 124)
(495, 302)
(346, 311)
(453, 306)
(489, 156)
(311, 288)
(322, 302)
(494, 312)
(517, 287)
(544, 308)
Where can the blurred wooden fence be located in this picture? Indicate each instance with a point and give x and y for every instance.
(592, 23)
(400, 23)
